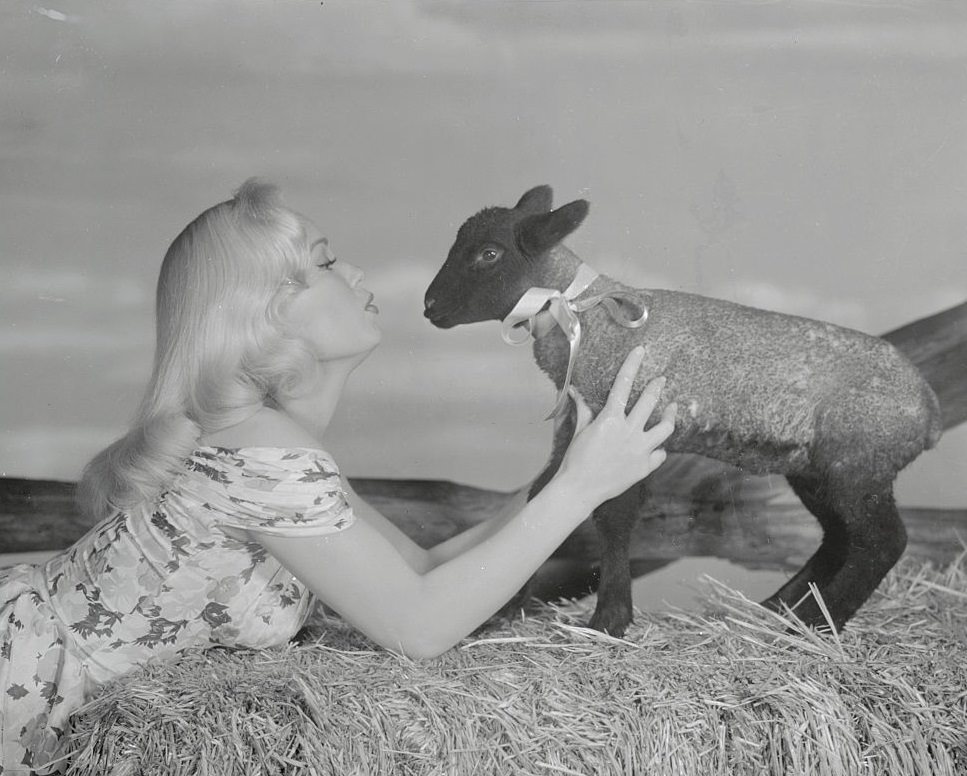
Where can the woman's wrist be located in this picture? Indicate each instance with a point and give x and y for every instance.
(577, 488)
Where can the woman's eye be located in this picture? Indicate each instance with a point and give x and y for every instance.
(326, 264)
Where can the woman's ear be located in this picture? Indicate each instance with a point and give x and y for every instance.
(539, 233)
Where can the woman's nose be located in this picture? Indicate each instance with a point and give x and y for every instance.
(353, 274)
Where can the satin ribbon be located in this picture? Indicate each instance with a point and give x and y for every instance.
(564, 308)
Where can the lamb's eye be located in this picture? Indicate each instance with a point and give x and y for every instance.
(489, 255)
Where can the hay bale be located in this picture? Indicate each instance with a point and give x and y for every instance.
(730, 690)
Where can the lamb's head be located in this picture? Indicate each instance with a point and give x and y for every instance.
(499, 253)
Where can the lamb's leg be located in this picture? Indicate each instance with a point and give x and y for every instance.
(830, 556)
(872, 540)
(615, 520)
(876, 539)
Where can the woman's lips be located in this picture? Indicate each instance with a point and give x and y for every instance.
(370, 306)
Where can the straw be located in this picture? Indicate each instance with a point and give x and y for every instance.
(733, 689)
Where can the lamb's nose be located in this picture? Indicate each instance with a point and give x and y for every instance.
(429, 302)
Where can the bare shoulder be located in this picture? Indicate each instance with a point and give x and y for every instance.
(266, 428)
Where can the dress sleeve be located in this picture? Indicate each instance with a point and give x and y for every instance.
(285, 492)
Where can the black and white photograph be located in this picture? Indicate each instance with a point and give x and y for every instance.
(454, 387)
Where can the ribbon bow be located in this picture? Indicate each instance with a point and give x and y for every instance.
(564, 308)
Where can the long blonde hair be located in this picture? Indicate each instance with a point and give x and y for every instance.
(221, 343)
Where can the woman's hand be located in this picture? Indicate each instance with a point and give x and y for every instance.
(611, 453)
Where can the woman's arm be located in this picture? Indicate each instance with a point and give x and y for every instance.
(463, 541)
(362, 574)
(416, 556)
(422, 560)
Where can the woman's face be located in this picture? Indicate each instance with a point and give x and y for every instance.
(334, 314)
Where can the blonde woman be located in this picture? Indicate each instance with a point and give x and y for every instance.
(220, 515)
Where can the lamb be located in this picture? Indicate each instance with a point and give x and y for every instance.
(838, 412)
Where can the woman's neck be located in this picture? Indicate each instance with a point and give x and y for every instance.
(318, 397)
(299, 421)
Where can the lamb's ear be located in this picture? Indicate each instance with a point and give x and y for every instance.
(536, 234)
(537, 200)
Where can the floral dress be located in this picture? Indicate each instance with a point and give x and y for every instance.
(157, 580)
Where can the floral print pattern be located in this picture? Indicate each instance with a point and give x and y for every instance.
(161, 579)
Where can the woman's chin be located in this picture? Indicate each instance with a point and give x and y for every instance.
(358, 358)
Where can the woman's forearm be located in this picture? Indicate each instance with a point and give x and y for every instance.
(458, 594)
(456, 545)
(423, 560)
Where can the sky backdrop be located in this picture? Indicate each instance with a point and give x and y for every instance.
(807, 157)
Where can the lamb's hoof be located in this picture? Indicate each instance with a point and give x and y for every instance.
(807, 612)
(614, 621)
(772, 603)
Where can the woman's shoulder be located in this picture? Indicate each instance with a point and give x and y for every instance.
(279, 484)
(265, 447)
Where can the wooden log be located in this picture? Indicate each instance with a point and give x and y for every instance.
(41, 515)
(937, 345)
(38, 515)
(756, 534)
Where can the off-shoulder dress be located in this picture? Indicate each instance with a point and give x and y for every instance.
(154, 581)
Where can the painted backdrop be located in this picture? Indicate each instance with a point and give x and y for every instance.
(808, 157)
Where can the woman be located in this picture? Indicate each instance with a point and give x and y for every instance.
(221, 516)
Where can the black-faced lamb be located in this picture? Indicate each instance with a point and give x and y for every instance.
(837, 412)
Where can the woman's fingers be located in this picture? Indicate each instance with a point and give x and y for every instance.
(664, 428)
(614, 450)
(621, 388)
(638, 415)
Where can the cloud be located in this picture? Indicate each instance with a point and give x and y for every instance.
(51, 453)
(51, 309)
(850, 311)
(620, 30)
(53, 15)
(240, 39)
(56, 284)
(237, 41)
(46, 338)
(844, 311)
